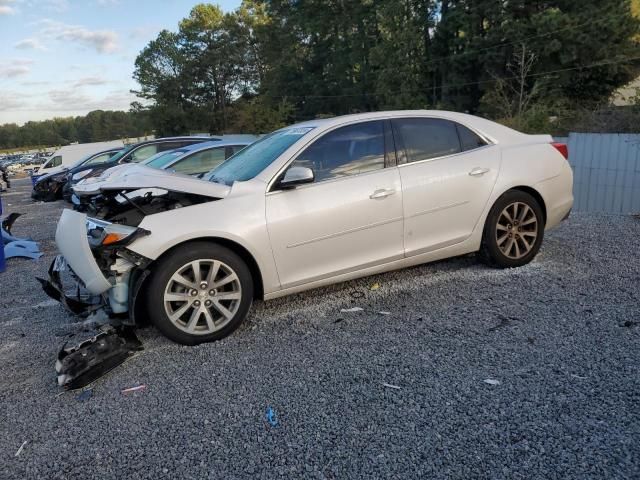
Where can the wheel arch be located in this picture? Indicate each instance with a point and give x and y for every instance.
(535, 194)
(522, 188)
(237, 248)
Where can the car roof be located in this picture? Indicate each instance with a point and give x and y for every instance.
(494, 131)
(205, 145)
(114, 149)
(196, 138)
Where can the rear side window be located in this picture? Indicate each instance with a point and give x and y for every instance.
(468, 139)
(143, 153)
(164, 146)
(103, 157)
(426, 138)
(200, 162)
(345, 151)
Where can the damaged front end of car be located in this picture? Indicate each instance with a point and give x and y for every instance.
(93, 244)
(99, 271)
(98, 277)
(95, 258)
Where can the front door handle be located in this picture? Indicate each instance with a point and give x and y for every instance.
(382, 193)
(478, 172)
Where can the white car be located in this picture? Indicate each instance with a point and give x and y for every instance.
(313, 204)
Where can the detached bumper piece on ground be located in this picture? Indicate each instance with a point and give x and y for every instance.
(14, 246)
(82, 364)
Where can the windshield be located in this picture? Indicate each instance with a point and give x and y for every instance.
(162, 159)
(253, 159)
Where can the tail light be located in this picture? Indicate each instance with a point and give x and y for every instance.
(563, 149)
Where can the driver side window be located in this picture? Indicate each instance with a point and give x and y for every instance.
(346, 151)
(143, 153)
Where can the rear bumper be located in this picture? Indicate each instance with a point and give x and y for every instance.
(557, 193)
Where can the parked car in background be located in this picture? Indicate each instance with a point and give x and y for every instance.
(313, 204)
(48, 188)
(69, 155)
(5, 183)
(194, 160)
(135, 153)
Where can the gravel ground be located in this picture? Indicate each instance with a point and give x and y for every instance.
(559, 335)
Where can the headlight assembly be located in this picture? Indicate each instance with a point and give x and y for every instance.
(106, 234)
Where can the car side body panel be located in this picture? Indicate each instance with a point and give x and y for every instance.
(443, 199)
(542, 168)
(321, 229)
(239, 218)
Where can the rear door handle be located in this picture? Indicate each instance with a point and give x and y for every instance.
(382, 193)
(477, 172)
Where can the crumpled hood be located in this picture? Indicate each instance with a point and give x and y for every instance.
(133, 177)
(49, 172)
(109, 173)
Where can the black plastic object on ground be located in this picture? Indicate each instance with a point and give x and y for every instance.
(82, 364)
(7, 223)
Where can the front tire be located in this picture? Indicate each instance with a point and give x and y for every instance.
(200, 292)
(513, 231)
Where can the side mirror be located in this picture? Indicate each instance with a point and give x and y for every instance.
(296, 176)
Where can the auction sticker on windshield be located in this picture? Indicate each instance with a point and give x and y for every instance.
(298, 131)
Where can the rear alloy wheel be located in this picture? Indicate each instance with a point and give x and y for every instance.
(513, 231)
(200, 294)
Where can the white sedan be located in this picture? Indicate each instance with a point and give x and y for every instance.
(313, 204)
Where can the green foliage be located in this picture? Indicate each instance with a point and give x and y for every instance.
(96, 126)
(254, 115)
(529, 63)
(330, 57)
(192, 76)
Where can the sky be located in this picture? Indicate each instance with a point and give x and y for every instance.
(61, 58)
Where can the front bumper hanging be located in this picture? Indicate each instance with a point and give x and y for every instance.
(82, 303)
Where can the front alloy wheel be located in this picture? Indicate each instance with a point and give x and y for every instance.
(200, 293)
(202, 296)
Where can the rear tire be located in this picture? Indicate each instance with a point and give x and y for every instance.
(200, 292)
(513, 231)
